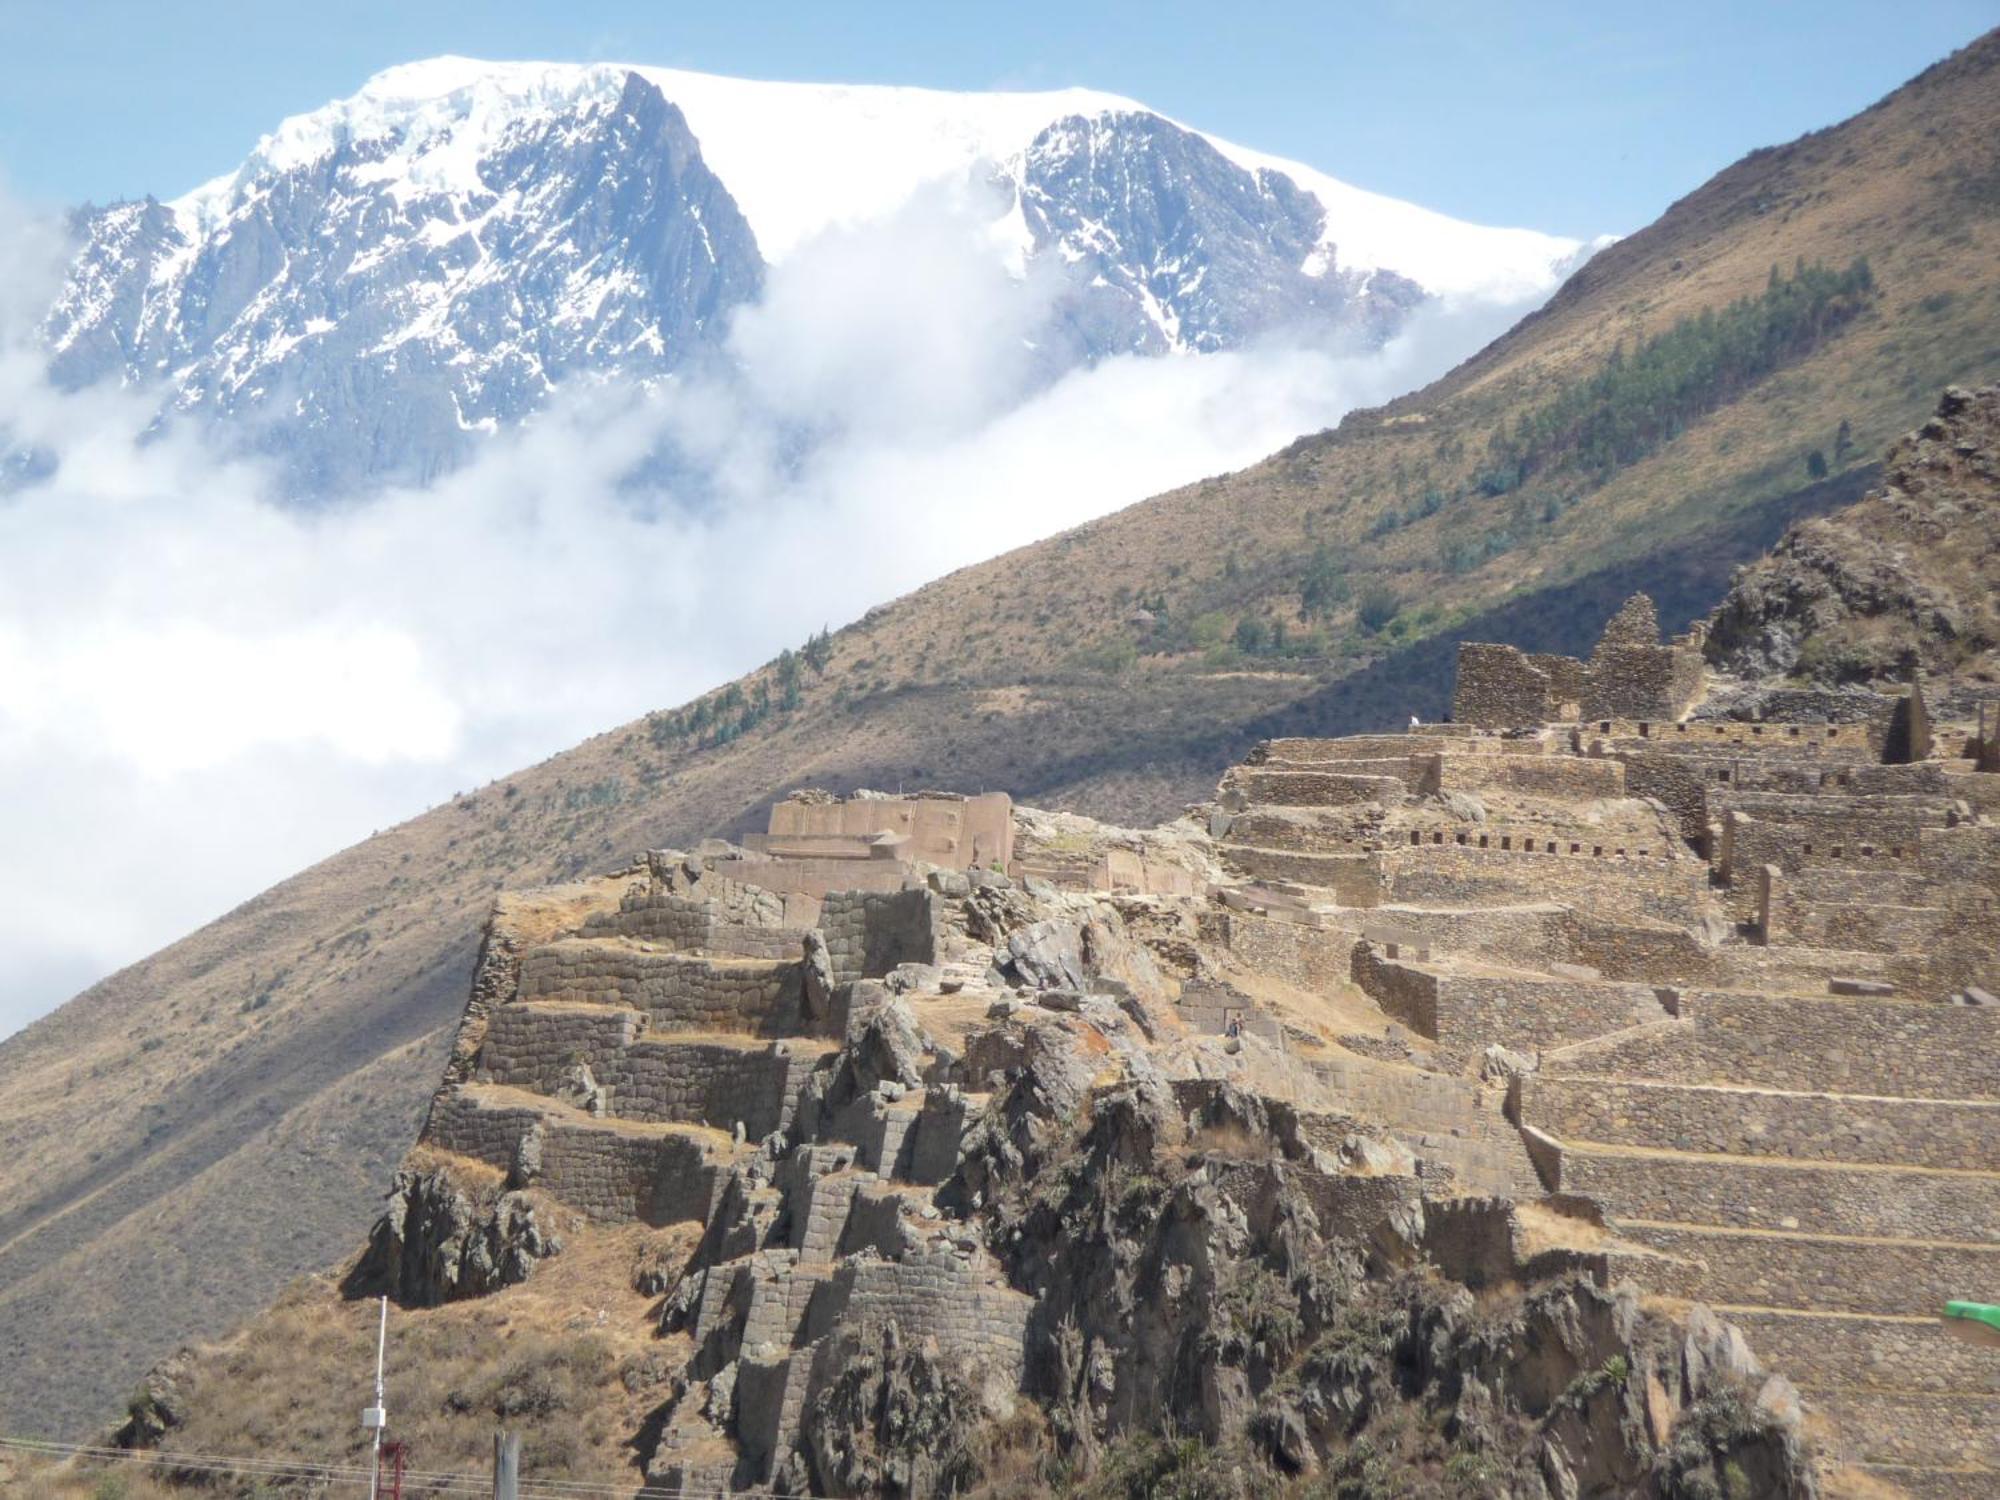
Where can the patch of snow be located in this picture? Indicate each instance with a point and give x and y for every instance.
(801, 158)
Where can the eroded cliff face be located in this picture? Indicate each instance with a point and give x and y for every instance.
(1907, 577)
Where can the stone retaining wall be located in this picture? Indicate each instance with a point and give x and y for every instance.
(1797, 1270)
(868, 933)
(677, 991)
(1310, 830)
(1904, 1048)
(1249, 786)
(1612, 889)
(606, 1172)
(699, 926)
(1353, 879)
(534, 1046)
(1915, 1429)
(1749, 1122)
(1772, 1195)
(1310, 957)
(1864, 1353)
(1569, 777)
(940, 1296)
(1466, 1013)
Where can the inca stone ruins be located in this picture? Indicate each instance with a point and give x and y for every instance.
(1586, 984)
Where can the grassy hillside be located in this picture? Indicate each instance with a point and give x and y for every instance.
(179, 1140)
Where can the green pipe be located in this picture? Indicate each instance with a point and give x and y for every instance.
(1975, 1322)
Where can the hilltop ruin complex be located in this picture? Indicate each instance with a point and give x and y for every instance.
(1679, 1027)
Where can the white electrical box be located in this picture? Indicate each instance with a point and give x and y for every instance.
(375, 1416)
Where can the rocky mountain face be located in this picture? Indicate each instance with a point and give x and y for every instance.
(1907, 577)
(1171, 247)
(363, 322)
(388, 280)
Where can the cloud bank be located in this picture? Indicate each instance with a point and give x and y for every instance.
(202, 690)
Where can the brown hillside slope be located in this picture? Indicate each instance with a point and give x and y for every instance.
(181, 1138)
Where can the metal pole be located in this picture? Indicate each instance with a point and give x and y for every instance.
(506, 1466)
(381, 1412)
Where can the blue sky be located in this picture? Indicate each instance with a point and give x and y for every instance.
(1571, 117)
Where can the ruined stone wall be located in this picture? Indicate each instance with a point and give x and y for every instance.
(1860, 836)
(868, 933)
(1569, 682)
(1417, 828)
(1531, 935)
(955, 832)
(1310, 957)
(1570, 777)
(678, 992)
(1739, 1121)
(1311, 830)
(1499, 688)
(1367, 749)
(1831, 742)
(1642, 682)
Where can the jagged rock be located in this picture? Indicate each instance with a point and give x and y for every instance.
(1048, 955)
(1905, 577)
(817, 978)
(893, 1422)
(888, 1045)
(437, 1242)
(1714, 1349)
(1501, 1066)
(527, 1163)
(1465, 807)
(160, 1405)
(579, 1088)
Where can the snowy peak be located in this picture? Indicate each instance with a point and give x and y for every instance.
(388, 278)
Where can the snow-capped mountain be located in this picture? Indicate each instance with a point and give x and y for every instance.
(388, 278)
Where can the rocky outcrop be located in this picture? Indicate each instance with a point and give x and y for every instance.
(893, 1422)
(1199, 1274)
(438, 1241)
(1906, 577)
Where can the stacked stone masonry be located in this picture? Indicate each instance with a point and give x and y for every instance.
(1758, 1048)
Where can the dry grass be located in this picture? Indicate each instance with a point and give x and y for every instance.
(566, 1359)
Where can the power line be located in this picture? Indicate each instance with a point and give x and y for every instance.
(440, 1481)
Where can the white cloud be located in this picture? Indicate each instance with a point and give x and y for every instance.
(201, 691)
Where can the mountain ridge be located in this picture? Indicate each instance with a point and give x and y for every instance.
(389, 279)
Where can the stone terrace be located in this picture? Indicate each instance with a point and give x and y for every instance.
(1737, 978)
(644, 1062)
